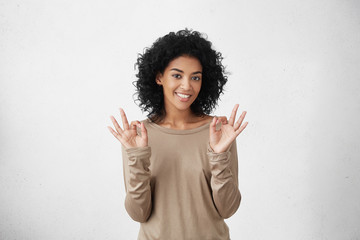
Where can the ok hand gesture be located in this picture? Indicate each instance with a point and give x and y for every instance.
(128, 137)
(221, 140)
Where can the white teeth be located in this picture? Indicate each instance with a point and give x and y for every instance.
(183, 96)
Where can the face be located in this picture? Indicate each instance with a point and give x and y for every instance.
(181, 82)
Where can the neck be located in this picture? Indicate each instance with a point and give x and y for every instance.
(175, 118)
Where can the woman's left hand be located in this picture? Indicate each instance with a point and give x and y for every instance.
(220, 140)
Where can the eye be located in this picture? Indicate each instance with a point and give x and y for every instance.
(176, 75)
(196, 78)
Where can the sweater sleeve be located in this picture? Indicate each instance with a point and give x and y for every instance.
(136, 162)
(224, 180)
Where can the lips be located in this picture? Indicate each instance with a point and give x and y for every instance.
(183, 95)
(183, 99)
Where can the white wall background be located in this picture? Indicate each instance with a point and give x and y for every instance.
(66, 66)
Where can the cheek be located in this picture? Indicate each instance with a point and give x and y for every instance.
(170, 85)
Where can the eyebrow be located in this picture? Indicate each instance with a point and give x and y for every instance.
(183, 71)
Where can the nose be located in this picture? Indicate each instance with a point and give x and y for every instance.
(185, 83)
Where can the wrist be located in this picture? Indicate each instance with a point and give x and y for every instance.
(211, 149)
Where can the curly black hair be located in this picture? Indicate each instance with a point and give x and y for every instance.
(155, 59)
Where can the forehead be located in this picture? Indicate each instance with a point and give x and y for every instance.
(185, 63)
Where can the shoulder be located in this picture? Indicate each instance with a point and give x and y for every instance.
(205, 119)
(146, 122)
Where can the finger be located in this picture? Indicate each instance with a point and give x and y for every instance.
(143, 131)
(213, 125)
(233, 115)
(124, 119)
(116, 125)
(117, 136)
(133, 124)
(223, 119)
(114, 133)
(238, 131)
(239, 121)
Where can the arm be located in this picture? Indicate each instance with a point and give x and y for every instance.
(224, 180)
(136, 162)
(223, 160)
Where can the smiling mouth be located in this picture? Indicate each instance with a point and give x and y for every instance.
(185, 96)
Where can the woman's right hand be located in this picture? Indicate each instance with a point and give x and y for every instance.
(128, 137)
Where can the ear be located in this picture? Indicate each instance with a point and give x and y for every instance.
(158, 79)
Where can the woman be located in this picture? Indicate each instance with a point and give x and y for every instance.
(180, 164)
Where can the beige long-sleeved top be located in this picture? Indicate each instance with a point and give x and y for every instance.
(178, 187)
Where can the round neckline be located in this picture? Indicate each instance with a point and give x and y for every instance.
(179, 131)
